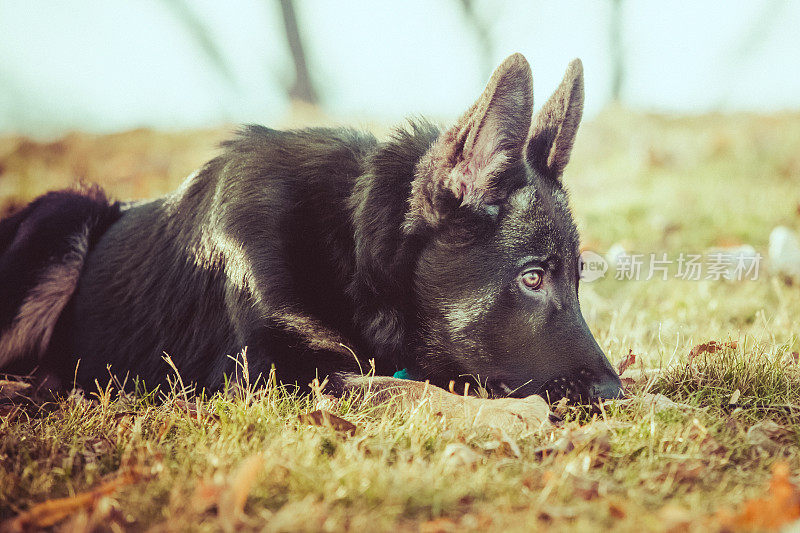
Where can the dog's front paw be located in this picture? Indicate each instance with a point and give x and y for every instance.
(531, 413)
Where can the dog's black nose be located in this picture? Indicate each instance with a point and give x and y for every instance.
(609, 389)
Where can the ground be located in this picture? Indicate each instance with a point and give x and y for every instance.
(707, 440)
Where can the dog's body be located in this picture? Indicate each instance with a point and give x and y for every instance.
(451, 254)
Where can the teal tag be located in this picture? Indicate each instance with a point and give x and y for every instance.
(402, 374)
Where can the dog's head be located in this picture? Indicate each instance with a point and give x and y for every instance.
(497, 281)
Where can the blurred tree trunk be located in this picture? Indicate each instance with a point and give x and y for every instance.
(617, 51)
(302, 89)
(482, 34)
(203, 36)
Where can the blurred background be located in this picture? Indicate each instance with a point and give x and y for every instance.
(101, 66)
(690, 140)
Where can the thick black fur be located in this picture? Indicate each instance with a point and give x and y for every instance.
(323, 212)
(34, 237)
(318, 250)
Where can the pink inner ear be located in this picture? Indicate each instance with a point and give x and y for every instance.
(464, 178)
(480, 162)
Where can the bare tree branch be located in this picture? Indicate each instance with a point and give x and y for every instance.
(302, 89)
(482, 34)
(617, 51)
(202, 35)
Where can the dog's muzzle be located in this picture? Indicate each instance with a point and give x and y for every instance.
(583, 387)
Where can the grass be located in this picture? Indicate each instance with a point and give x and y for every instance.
(694, 461)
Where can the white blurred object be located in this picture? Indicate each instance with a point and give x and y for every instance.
(733, 262)
(614, 253)
(784, 252)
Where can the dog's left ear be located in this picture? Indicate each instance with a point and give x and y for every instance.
(465, 163)
(555, 125)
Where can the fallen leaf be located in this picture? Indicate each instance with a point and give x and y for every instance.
(659, 402)
(683, 471)
(734, 397)
(768, 435)
(326, 402)
(77, 397)
(560, 446)
(194, 410)
(531, 412)
(49, 513)
(164, 427)
(125, 422)
(11, 388)
(591, 436)
(586, 489)
(627, 361)
(636, 379)
(708, 444)
(711, 347)
(327, 419)
(561, 408)
(504, 445)
(232, 500)
(616, 510)
(96, 448)
(457, 455)
(206, 495)
(780, 506)
(105, 516)
(675, 518)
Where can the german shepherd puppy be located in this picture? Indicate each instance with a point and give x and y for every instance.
(449, 255)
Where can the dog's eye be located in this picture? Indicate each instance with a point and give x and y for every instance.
(532, 279)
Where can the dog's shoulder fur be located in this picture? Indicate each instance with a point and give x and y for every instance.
(176, 275)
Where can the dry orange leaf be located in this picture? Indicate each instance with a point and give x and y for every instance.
(616, 510)
(711, 347)
(49, 513)
(232, 500)
(164, 427)
(627, 361)
(780, 506)
(326, 419)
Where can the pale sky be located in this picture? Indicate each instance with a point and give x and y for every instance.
(106, 65)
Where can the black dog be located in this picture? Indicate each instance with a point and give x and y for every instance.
(450, 255)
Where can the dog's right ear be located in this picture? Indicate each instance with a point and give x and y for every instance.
(463, 165)
(556, 124)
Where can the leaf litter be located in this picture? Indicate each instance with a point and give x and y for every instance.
(327, 419)
(51, 512)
